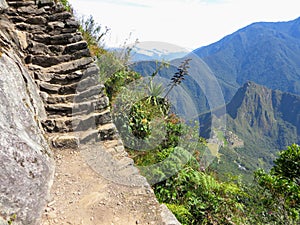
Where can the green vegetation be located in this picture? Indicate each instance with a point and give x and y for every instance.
(282, 185)
(190, 190)
(93, 33)
(67, 5)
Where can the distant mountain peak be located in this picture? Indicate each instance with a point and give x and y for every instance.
(151, 50)
(264, 52)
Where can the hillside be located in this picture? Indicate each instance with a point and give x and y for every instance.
(266, 120)
(264, 52)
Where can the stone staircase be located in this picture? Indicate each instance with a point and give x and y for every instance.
(78, 113)
(66, 74)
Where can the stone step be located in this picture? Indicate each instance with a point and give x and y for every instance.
(47, 61)
(68, 67)
(108, 132)
(91, 94)
(86, 78)
(61, 79)
(93, 136)
(74, 109)
(36, 20)
(30, 28)
(19, 3)
(57, 88)
(43, 3)
(60, 39)
(64, 141)
(56, 98)
(74, 47)
(59, 85)
(36, 48)
(62, 16)
(76, 123)
(52, 29)
(17, 19)
(58, 27)
(31, 10)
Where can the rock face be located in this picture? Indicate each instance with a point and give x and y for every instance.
(25, 158)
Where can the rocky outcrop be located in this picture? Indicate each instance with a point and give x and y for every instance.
(25, 157)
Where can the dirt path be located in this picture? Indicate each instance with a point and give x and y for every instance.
(81, 196)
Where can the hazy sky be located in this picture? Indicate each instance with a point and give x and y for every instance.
(186, 23)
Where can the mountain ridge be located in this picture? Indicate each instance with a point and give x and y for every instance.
(260, 52)
(266, 120)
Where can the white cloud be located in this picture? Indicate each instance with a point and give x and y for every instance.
(187, 23)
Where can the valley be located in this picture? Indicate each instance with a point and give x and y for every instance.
(257, 69)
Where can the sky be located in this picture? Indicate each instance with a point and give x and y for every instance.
(188, 24)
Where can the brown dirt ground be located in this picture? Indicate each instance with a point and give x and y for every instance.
(81, 196)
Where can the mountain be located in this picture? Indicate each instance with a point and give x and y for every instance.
(142, 54)
(198, 93)
(153, 51)
(258, 70)
(264, 52)
(266, 120)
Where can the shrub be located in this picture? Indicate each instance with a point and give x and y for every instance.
(94, 34)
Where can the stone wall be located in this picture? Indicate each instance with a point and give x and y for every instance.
(25, 157)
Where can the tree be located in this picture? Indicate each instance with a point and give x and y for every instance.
(288, 164)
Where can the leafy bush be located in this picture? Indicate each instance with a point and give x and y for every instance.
(282, 187)
(182, 214)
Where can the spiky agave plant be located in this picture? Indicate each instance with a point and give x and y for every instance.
(179, 76)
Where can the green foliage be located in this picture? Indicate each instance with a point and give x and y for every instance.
(6, 218)
(287, 165)
(207, 200)
(182, 214)
(67, 5)
(172, 135)
(282, 187)
(143, 112)
(94, 35)
(118, 80)
(12, 219)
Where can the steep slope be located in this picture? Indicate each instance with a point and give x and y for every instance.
(266, 53)
(265, 115)
(266, 120)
